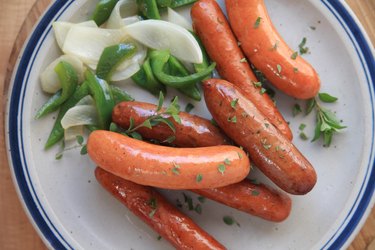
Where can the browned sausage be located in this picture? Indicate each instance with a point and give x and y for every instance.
(268, 51)
(271, 152)
(166, 167)
(158, 213)
(194, 131)
(256, 199)
(212, 27)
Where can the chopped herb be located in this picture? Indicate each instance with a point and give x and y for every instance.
(189, 201)
(243, 60)
(213, 122)
(262, 91)
(240, 155)
(296, 109)
(303, 136)
(189, 107)
(221, 168)
(159, 237)
(275, 46)
(79, 139)
(239, 44)
(302, 47)
(229, 220)
(255, 192)
(257, 84)
(265, 144)
(136, 135)
(201, 199)
(266, 125)
(294, 55)
(324, 97)
(176, 169)
(278, 66)
(59, 155)
(227, 161)
(170, 139)
(295, 70)
(199, 178)
(233, 103)
(83, 150)
(302, 126)
(233, 119)
(153, 204)
(257, 22)
(254, 181)
(198, 209)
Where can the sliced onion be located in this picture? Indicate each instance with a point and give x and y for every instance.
(49, 80)
(61, 29)
(84, 113)
(72, 133)
(162, 35)
(88, 43)
(178, 19)
(138, 57)
(125, 73)
(131, 20)
(123, 9)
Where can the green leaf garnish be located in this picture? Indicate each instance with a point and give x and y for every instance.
(324, 97)
(257, 22)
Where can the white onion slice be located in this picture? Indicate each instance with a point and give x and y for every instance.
(88, 43)
(123, 9)
(72, 133)
(125, 73)
(61, 29)
(178, 19)
(162, 35)
(49, 80)
(84, 113)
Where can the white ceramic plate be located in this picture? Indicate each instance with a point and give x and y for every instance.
(70, 210)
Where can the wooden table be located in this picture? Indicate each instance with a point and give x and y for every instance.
(16, 232)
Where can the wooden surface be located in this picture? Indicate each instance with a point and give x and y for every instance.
(16, 232)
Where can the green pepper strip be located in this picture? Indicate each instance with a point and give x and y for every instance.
(103, 11)
(112, 57)
(69, 81)
(164, 3)
(179, 3)
(149, 8)
(145, 79)
(206, 62)
(178, 69)
(57, 132)
(119, 95)
(160, 58)
(104, 102)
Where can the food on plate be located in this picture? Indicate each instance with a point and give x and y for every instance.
(213, 29)
(166, 167)
(193, 131)
(158, 213)
(253, 198)
(269, 150)
(268, 51)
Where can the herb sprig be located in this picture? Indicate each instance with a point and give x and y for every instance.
(327, 123)
(161, 116)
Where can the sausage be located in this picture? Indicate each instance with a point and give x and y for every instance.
(194, 131)
(166, 167)
(252, 198)
(158, 213)
(213, 29)
(268, 51)
(271, 152)
(258, 200)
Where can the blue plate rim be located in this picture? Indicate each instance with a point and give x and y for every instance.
(32, 205)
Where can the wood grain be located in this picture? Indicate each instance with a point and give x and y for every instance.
(16, 231)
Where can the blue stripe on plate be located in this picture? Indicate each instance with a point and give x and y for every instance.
(36, 210)
(34, 206)
(366, 56)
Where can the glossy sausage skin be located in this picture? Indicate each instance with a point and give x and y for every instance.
(157, 212)
(266, 49)
(271, 152)
(166, 167)
(194, 131)
(213, 29)
(255, 199)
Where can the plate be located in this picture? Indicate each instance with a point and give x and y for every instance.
(71, 211)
